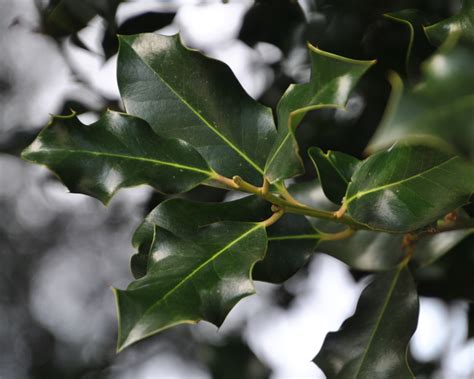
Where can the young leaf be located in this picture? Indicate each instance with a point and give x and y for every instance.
(115, 152)
(437, 112)
(332, 79)
(373, 342)
(291, 240)
(407, 187)
(335, 170)
(461, 24)
(200, 276)
(185, 95)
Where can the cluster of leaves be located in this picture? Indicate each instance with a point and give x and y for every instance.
(188, 122)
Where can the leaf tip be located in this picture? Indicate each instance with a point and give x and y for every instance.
(341, 58)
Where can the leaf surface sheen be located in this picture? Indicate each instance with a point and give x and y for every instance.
(115, 152)
(407, 187)
(373, 342)
(461, 24)
(332, 79)
(291, 241)
(185, 95)
(197, 277)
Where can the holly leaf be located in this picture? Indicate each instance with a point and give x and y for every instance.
(407, 187)
(373, 343)
(185, 95)
(438, 111)
(332, 79)
(115, 152)
(291, 241)
(190, 277)
(461, 24)
(335, 170)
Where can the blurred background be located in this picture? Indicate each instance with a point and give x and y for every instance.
(61, 252)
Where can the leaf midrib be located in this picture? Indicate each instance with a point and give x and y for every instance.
(379, 319)
(295, 237)
(196, 270)
(130, 157)
(290, 129)
(336, 168)
(200, 116)
(360, 194)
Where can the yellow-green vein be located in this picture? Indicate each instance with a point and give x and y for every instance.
(360, 194)
(199, 268)
(379, 318)
(129, 157)
(200, 116)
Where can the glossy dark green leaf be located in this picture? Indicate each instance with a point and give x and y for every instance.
(115, 152)
(185, 95)
(335, 170)
(461, 24)
(373, 342)
(186, 217)
(365, 250)
(199, 276)
(332, 79)
(407, 187)
(291, 240)
(438, 111)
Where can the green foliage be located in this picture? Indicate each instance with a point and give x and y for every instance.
(184, 95)
(407, 187)
(332, 79)
(195, 271)
(189, 122)
(117, 151)
(373, 343)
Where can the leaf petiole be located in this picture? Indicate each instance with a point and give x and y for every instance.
(346, 233)
(237, 183)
